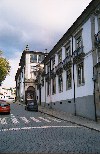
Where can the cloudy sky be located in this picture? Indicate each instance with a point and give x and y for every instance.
(38, 23)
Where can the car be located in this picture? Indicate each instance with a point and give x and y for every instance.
(4, 107)
(31, 105)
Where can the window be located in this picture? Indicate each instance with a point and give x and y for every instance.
(68, 79)
(60, 56)
(67, 51)
(60, 83)
(48, 88)
(33, 58)
(48, 68)
(53, 62)
(79, 42)
(80, 73)
(39, 58)
(53, 85)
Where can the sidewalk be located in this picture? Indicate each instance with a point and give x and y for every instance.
(71, 118)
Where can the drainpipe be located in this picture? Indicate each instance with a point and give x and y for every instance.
(73, 80)
(94, 96)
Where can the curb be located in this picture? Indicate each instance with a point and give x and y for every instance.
(70, 121)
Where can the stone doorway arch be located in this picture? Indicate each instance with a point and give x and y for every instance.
(30, 94)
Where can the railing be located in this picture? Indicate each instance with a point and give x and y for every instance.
(67, 62)
(59, 68)
(97, 40)
(78, 55)
(78, 51)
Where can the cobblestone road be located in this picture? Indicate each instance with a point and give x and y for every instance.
(23, 131)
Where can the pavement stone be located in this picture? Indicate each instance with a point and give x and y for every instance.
(71, 118)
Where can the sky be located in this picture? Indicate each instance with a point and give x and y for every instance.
(38, 23)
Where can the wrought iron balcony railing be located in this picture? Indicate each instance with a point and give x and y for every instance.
(59, 68)
(67, 62)
(78, 54)
(97, 40)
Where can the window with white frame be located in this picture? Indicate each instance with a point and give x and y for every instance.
(60, 56)
(60, 83)
(80, 74)
(68, 79)
(53, 85)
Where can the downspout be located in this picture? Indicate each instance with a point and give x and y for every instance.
(94, 97)
(45, 86)
(73, 80)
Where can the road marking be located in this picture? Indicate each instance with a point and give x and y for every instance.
(25, 120)
(44, 119)
(14, 120)
(40, 127)
(54, 119)
(34, 119)
(3, 121)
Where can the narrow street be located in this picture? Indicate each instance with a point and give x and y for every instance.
(24, 131)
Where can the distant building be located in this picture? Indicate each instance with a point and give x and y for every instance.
(72, 68)
(26, 74)
(7, 93)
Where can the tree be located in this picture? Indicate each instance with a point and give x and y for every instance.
(4, 67)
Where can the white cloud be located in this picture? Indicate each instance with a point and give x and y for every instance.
(39, 23)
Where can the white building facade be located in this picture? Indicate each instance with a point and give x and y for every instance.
(26, 75)
(72, 68)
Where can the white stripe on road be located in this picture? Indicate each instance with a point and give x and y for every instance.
(3, 121)
(14, 120)
(34, 119)
(43, 127)
(44, 119)
(54, 119)
(25, 120)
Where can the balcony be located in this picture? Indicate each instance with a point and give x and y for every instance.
(97, 40)
(67, 62)
(59, 68)
(52, 74)
(78, 55)
(47, 77)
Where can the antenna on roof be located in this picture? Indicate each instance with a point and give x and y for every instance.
(27, 48)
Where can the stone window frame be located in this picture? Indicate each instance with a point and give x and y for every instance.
(53, 62)
(67, 46)
(68, 88)
(59, 54)
(54, 86)
(82, 74)
(77, 35)
(60, 85)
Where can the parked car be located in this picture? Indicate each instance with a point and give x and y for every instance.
(31, 105)
(4, 107)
